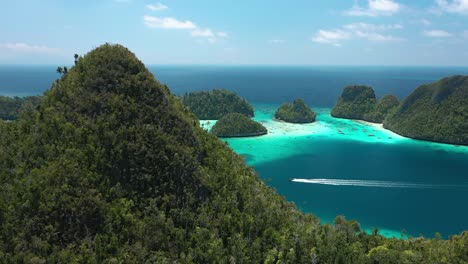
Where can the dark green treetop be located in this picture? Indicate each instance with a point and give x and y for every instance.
(355, 102)
(296, 112)
(212, 105)
(386, 105)
(238, 125)
(435, 112)
(10, 108)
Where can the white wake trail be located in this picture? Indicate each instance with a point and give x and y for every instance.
(369, 183)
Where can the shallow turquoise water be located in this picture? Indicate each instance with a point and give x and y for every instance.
(362, 171)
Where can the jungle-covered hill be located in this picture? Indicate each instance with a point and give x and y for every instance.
(359, 102)
(296, 112)
(238, 125)
(435, 112)
(213, 105)
(112, 168)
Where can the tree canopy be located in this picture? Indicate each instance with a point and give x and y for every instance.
(11, 107)
(212, 105)
(359, 102)
(237, 125)
(435, 112)
(296, 112)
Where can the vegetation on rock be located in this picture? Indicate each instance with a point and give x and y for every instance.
(112, 168)
(386, 105)
(359, 102)
(212, 105)
(296, 112)
(434, 112)
(355, 102)
(237, 125)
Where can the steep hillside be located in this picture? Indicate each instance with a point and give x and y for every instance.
(435, 112)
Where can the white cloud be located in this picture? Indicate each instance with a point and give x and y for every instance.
(375, 8)
(168, 23)
(222, 34)
(157, 7)
(371, 32)
(437, 33)
(26, 48)
(202, 33)
(372, 27)
(195, 31)
(372, 36)
(331, 36)
(453, 6)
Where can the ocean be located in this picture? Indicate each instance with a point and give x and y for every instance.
(333, 167)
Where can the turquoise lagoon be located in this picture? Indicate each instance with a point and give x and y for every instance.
(333, 167)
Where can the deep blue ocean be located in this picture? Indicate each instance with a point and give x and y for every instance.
(433, 191)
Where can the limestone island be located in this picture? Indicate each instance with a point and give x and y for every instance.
(213, 105)
(238, 125)
(296, 112)
(359, 102)
(434, 112)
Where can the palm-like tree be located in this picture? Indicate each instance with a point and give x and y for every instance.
(60, 70)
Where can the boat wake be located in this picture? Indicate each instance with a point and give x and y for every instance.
(379, 184)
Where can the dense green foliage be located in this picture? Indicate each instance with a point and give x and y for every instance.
(112, 168)
(386, 105)
(237, 125)
(212, 105)
(297, 112)
(355, 102)
(435, 112)
(10, 108)
(359, 102)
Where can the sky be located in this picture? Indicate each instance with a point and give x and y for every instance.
(240, 32)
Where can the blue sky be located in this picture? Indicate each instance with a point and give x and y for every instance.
(332, 32)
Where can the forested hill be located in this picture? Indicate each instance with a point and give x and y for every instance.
(238, 125)
(296, 112)
(112, 168)
(435, 112)
(213, 105)
(359, 102)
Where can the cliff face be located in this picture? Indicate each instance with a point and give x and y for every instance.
(434, 112)
(296, 112)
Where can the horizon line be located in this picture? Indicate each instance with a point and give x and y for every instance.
(255, 65)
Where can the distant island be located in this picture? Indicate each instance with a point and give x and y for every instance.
(238, 125)
(434, 112)
(359, 102)
(213, 105)
(296, 112)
